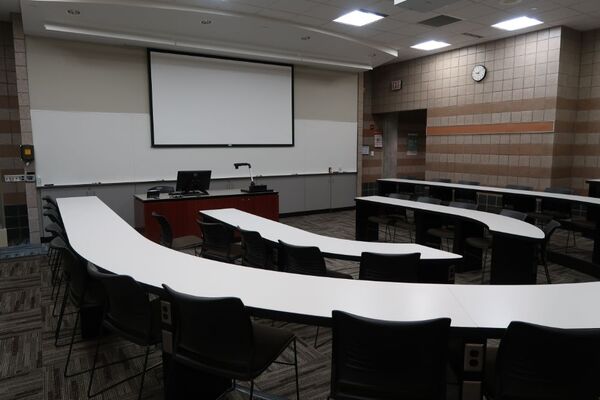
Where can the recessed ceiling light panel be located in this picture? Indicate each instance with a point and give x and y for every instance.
(430, 45)
(517, 23)
(359, 18)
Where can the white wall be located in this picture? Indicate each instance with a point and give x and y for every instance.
(89, 106)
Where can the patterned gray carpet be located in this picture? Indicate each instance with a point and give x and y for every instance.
(31, 366)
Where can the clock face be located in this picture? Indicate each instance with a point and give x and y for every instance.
(478, 73)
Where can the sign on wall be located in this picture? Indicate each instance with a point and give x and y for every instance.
(412, 144)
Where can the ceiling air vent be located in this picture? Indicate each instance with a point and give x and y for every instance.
(440, 20)
(472, 35)
(423, 5)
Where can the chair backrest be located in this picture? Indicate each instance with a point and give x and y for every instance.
(557, 205)
(519, 187)
(217, 236)
(389, 267)
(53, 216)
(255, 251)
(50, 200)
(462, 204)
(305, 260)
(375, 359)
(128, 308)
(474, 183)
(549, 229)
(400, 196)
(513, 214)
(519, 202)
(75, 270)
(538, 362)
(166, 233)
(211, 333)
(163, 189)
(430, 200)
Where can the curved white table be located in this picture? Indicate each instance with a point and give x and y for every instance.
(329, 246)
(592, 203)
(99, 235)
(514, 248)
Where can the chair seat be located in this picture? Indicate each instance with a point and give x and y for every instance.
(444, 233)
(269, 343)
(579, 225)
(380, 219)
(336, 274)
(186, 242)
(58, 243)
(136, 332)
(482, 243)
(235, 252)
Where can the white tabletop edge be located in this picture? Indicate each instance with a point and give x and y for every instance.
(492, 189)
(495, 222)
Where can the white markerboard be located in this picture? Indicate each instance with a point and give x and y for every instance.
(91, 147)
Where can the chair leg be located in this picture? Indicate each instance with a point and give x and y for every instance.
(73, 332)
(93, 371)
(252, 389)
(316, 337)
(60, 281)
(296, 371)
(61, 315)
(483, 264)
(144, 372)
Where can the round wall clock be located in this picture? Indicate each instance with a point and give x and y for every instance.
(478, 73)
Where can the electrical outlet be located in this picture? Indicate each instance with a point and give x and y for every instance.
(165, 312)
(473, 357)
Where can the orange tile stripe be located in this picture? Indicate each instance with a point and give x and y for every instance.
(489, 129)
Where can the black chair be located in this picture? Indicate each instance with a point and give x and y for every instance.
(130, 314)
(217, 336)
(393, 218)
(549, 230)
(466, 195)
(441, 192)
(375, 359)
(445, 233)
(255, 250)
(81, 291)
(518, 202)
(187, 242)
(537, 362)
(389, 267)
(219, 242)
(305, 260)
(429, 200)
(485, 242)
(556, 209)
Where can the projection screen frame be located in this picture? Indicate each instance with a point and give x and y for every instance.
(149, 52)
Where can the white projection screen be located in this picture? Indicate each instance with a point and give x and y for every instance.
(206, 101)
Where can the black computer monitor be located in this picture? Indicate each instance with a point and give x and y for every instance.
(193, 181)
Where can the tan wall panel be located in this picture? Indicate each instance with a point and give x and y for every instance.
(325, 95)
(74, 76)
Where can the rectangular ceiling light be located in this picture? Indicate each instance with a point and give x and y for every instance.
(359, 18)
(430, 45)
(517, 23)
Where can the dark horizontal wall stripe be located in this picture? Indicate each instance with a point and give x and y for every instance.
(587, 127)
(487, 129)
(502, 106)
(491, 169)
